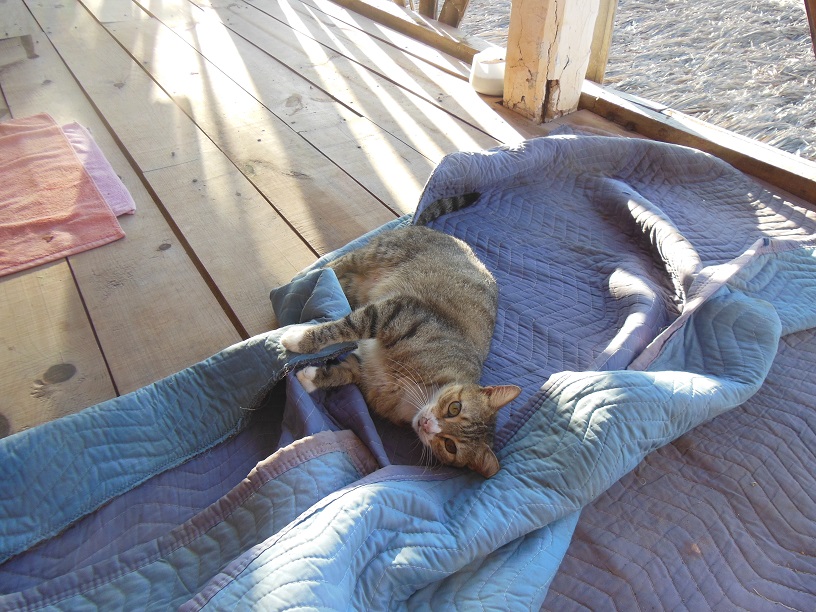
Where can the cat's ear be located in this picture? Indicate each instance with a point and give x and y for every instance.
(485, 462)
(500, 395)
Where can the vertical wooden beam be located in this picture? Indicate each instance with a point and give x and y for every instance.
(548, 47)
(810, 9)
(427, 8)
(453, 11)
(602, 40)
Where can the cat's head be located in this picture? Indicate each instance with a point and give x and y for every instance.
(459, 422)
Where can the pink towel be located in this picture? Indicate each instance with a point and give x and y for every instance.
(50, 206)
(107, 181)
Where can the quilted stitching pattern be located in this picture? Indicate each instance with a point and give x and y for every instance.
(407, 535)
(596, 245)
(164, 573)
(720, 519)
(144, 513)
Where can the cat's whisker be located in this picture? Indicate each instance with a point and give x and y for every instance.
(419, 389)
(415, 376)
(412, 390)
(428, 458)
(409, 393)
(423, 461)
(410, 372)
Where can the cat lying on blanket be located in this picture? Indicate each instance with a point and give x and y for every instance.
(424, 312)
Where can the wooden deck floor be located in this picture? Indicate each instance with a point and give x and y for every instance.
(254, 137)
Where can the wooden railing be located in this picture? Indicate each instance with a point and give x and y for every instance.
(450, 14)
(552, 93)
(552, 45)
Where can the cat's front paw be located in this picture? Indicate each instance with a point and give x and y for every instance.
(292, 340)
(306, 377)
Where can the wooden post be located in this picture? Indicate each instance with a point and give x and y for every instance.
(602, 39)
(810, 9)
(427, 8)
(453, 11)
(548, 49)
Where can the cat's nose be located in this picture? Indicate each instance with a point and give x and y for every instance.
(425, 424)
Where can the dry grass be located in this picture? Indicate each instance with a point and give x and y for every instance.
(747, 66)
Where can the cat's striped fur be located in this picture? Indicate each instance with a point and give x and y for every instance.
(424, 308)
(444, 206)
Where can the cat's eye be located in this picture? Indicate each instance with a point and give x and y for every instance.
(454, 409)
(450, 446)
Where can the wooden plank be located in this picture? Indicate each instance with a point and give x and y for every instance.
(14, 19)
(391, 64)
(50, 364)
(250, 251)
(405, 42)
(414, 113)
(548, 48)
(438, 35)
(216, 228)
(426, 8)
(786, 171)
(601, 40)
(325, 206)
(387, 167)
(139, 120)
(146, 298)
(362, 149)
(453, 11)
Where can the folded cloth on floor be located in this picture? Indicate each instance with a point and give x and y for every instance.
(50, 207)
(104, 176)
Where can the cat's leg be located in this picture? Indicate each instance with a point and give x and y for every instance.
(360, 324)
(330, 375)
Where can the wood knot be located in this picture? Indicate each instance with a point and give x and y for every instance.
(59, 373)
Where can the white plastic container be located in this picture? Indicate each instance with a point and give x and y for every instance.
(487, 71)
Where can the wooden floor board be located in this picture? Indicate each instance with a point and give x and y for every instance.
(421, 125)
(209, 226)
(437, 87)
(324, 205)
(250, 249)
(50, 364)
(362, 149)
(406, 43)
(128, 279)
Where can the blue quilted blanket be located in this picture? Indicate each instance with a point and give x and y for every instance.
(644, 289)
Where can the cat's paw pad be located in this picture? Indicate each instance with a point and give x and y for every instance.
(306, 377)
(293, 339)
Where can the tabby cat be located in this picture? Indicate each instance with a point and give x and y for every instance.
(424, 312)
